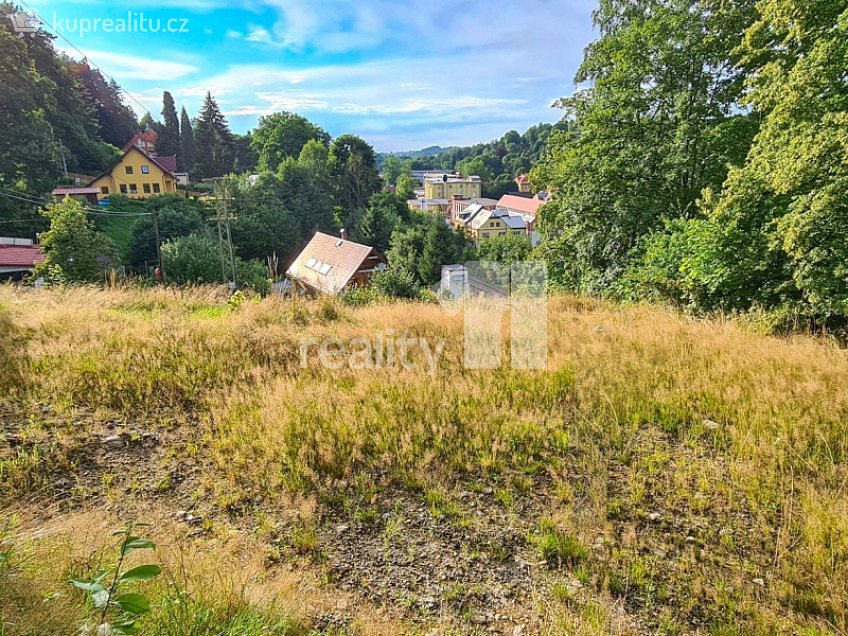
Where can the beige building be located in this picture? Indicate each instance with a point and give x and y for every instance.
(447, 186)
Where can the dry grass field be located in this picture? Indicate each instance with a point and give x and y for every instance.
(664, 475)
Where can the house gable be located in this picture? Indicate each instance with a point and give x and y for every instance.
(136, 175)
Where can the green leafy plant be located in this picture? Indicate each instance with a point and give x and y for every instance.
(117, 611)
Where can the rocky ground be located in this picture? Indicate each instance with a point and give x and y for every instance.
(459, 559)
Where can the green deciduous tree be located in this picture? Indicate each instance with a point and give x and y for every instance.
(422, 244)
(505, 249)
(353, 165)
(659, 123)
(73, 243)
(283, 135)
(406, 185)
(774, 232)
(118, 122)
(264, 226)
(394, 168)
(196, 258)
(176, 215)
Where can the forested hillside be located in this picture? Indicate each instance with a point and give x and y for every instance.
(55, 114)
(705, 162)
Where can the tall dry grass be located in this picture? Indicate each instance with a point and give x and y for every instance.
(641, 411)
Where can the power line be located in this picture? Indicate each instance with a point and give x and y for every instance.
(12, 221)
(88, 210)
(86, 58)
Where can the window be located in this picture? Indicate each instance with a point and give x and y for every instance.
(155, 188)
(128, 169)
(123, 188)
(145, 170)
(104, 189)
(133, 188)
(146, 188)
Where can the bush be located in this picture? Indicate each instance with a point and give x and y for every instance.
(396, 283)
(196, 258)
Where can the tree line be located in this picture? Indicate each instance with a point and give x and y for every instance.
(497, 162)
(704, 161)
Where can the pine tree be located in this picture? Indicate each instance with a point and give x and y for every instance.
(213, 141)
(168, 143)
(439, 249)
(185, 158)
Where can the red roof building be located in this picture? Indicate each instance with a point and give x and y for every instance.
(88, 195)
(16, 260)
(520, 205)
(523, 183)
(143, 140)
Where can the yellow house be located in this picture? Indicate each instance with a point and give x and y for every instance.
(137, 175)
(441, 188)
(482, 224)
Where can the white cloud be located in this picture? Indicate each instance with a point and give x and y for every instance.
(261, 35)
(133, 67)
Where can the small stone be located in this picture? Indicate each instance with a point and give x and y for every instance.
(759, 582)
(342, 528)
(427, 602)
(518, 630)
(654, 516)
(115, 441)
(690, 539)
(487, 490)
(710, 425)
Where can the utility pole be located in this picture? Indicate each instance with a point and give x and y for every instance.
(62, 154)
(155, 217)
(225, 247)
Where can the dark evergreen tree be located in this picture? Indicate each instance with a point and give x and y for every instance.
(185, 158)
(168, 143)
(213, 142)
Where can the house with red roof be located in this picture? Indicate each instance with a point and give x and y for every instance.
(523, 183)
(18, 257)
(527, 208)
(145, 140)
(85, 195)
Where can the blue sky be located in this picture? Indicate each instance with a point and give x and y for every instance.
(402, 75)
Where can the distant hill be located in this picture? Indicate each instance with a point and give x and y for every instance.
(498, 162)
(429, 151)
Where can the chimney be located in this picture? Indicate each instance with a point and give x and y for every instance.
(343, 234)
